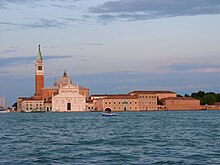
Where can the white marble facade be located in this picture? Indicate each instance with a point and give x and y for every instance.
(68, 99)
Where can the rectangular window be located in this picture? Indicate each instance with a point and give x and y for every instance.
(68, 106)
(39, 67)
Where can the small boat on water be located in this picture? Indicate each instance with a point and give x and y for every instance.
(109, 114)
(3, 111)
(3, 105)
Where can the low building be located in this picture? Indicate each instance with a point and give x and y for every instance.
(181, 103)
(118, 102)
(25, 104)
(142, 101)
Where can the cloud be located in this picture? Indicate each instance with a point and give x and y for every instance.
(96, 44)
(39, 3)
(5, 62)
(205, 68)
(9, 50)
(42, 23)
(3, 73)
(131, 10)
(71, 7)
(2, 5)
(69, 20)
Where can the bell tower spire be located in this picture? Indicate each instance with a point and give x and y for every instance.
(39, 73)
(39, 56)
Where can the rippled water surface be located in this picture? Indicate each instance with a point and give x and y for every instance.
(190, 137)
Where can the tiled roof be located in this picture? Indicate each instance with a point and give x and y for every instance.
(152, 92)
(29, 98)
(179, 98)
(117, 96)
(51, 88)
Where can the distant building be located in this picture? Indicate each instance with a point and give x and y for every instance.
(64, 96)
(160, 94)
(29, 104)
(39, 74)
(34, 103)
(43, 98)
(68, 99)
(133, 101)
(180, 103)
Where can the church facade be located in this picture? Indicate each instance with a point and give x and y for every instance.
(69, 99)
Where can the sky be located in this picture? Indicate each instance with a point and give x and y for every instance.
(111, 46)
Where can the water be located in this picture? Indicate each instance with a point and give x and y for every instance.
(189, 137)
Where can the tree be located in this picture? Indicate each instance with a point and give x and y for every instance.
(209, 99)
(186, 95)
(206, 98)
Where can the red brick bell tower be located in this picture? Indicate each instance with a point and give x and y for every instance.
(39, 73)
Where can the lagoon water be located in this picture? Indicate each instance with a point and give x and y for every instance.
(189, 137)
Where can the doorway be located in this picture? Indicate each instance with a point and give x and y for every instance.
(69, 106)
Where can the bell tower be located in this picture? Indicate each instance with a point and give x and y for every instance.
(39, 73)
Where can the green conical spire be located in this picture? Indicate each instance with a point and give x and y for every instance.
(39, 56)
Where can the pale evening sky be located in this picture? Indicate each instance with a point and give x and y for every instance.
(111, 46)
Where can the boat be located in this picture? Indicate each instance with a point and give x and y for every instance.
(109, 114)
(3, 105)
(3, 111)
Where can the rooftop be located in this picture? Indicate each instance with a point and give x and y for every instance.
(116, 96)
(153, 92)
(51, 88)
(179, 98)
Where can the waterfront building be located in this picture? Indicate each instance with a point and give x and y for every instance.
(29, 104)
(35, 102)
(120, 102)
(64, 96)
(142, 101)
(180, 103)
(133, 101)
(42, 100)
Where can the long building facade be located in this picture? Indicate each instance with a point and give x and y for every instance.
(133, 101)
(64, 96)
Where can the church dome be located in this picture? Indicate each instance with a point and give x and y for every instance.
(64, 80)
